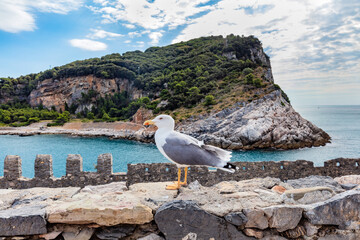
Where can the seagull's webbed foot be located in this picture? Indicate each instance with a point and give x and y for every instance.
(178, 184)
(175, 186)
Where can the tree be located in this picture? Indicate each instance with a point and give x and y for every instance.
(105, 117)
(257, 82)
(249, 79)
(209, 100)
(90, 115)
(246, 71)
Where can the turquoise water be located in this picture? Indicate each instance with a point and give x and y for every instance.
(341, 122)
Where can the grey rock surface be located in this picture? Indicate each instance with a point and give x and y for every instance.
(237, 218)
(340, 210)
(176, 219)
(316, 181)
(268, 122)
(283, 217)
(27, 220)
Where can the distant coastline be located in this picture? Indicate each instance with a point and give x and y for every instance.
(115, 130)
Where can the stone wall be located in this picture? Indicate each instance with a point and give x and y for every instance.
(160, 172)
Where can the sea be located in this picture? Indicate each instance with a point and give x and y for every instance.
(342, 123)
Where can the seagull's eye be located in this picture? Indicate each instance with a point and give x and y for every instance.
(161, 118)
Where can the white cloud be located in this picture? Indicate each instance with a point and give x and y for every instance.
(88, 44)
(99, 34)
(15, 18)
(313, 40)
(152, 15)
(130, 26)
(18, 15)
(127, 41)
(155, 37)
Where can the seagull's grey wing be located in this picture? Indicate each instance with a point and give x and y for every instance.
(185, 152)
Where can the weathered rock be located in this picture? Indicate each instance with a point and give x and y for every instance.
(238, 219)
(316, 181)
(176, 219)
(152, 195)
(84, 234)
(348, 179)
(310, 229)
(266, 122)
(307, 195)
(256, 219)
(278, 189)
(341, 236)
(349, 186)
(268, 196)
(340, 210)
(105, 205)
(151, 236)
(51, 235)
(232, 196)
(115, 232)
(295, 233)
(283, 217)
(250, 232)
(27, 220)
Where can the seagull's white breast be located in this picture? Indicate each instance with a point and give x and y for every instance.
(160, 140)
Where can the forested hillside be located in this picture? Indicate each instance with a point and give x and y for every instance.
(181, 79)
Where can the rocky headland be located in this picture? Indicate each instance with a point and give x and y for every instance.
(314, 207)
(219, 89)
(268, 122)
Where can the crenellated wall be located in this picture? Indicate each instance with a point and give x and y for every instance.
(159, 172)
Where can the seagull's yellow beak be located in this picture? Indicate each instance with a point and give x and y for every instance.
(149, 122)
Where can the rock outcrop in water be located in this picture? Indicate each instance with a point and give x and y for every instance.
(268, 122)
(250, 209)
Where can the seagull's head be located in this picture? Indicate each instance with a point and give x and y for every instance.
(162, 122)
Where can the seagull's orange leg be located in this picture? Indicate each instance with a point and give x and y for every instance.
(177, 184)
(185, 177)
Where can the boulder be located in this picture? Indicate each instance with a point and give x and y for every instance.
(233, 196)
(283, 217)
(340, 210)
(256, 218)
(176, 219)
(106, 205)
(253, 233)
(84, 234)
(237, 218)
(348, 179)
(26, 220)
(115, 232)
(307, 195)
(316, 181)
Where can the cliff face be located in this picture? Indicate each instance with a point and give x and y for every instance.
(57, 92)
(269, 122)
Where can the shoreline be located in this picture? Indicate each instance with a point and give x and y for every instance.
(115, 130)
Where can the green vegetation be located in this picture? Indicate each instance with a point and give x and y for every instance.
(184, 75)
(18, 114)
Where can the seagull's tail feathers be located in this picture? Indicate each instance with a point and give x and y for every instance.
(229, 168)
(220, 153)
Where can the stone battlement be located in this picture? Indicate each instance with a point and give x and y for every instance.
(162, 172)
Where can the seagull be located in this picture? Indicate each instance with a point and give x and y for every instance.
(185, 151)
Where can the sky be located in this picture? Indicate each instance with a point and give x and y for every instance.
(314, 45)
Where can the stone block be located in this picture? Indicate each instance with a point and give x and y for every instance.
(12, 167)
(74, 164)
(104, 164)
(43, 166)
(176, 219)
(28, 220)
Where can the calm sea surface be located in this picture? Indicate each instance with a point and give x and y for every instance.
(341, 122)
